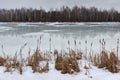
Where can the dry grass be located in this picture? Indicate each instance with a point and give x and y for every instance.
(112, 64)
(65, 62)
(2, 61)
(106, 60)
(86, 69)
(32, 60)
(104, 57)
(58, 62)
(68, 63)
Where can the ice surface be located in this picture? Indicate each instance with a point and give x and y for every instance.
(2, 28)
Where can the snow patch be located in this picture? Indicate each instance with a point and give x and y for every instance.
(2, 28)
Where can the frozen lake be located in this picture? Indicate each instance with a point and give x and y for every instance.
(14, 35)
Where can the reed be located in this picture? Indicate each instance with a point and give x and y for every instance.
(2, 61)
(66, 62)
(107, 60)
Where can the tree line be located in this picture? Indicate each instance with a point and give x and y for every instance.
(63, 14)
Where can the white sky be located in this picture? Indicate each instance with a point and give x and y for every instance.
(47, 4)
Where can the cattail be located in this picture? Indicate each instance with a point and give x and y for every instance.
(103, 44)
(3, 51)
(40, 38)
(90, 57)
(86, 46)
(91, 44)
(40, 41)
(75, 42)
(100, 41)
(37, 44)
(91, 47)
(86, 49)
(69, 45)
(75, 45)
(117, 46)
(22, 49)
(100, 44)
(50, 44)
(68, 42)
(79, 43)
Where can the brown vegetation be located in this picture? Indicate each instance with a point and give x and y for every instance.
(64, 62)
(67, 63)
(107, 60)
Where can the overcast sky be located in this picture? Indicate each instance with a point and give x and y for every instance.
(47, 4)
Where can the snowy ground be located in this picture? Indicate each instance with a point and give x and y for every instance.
(94, 74)
(14, 35)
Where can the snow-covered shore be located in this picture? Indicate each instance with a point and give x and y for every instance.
(53, 74)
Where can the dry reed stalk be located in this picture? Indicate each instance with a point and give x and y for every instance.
(68, 63)
(36, 57)
(75, 66)
(90, 57)
(69, 66)
(100, 45)
(29, 58)
(8, 65)
(72, 54)
(4, 54)
(55, 52)
(29, 61)
(35, 60)
(40, 42)
(75, 43)
(108, 61)
(86, 69)
(79, 55)
(47, 55)
(20, 68)
(69, 45)
(65, 67)
(15, 64)
(103, 44)
(79, 45)
(45, 68)
(118, 50)
(104, 59)
(112, 64)
(2, 61)
(90, 54)
(58, 62)
(95, 62)
(50, 44)
(85, 54)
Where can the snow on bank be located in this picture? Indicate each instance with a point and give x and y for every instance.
(53, 74)
(33, 34)
(31, 24)
(60, 24)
